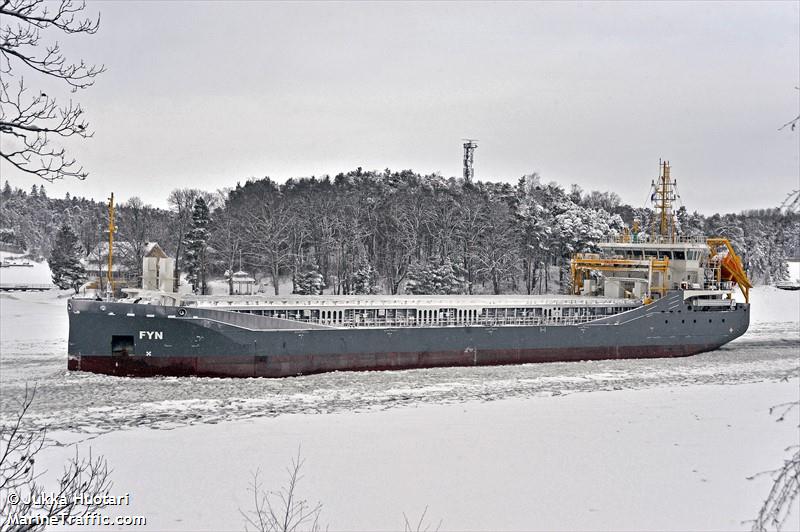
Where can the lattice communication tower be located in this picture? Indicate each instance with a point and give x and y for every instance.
(469, 149)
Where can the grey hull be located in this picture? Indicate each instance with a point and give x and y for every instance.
(192, 341)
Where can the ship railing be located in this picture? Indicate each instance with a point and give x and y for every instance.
(481, 322)
(648, 239)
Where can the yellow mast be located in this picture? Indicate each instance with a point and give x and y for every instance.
(663, 195)
(111, 229)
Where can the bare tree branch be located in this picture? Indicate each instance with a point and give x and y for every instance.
(777, 507)
(791, 124)
(421, 525)
(282, 510)
(21, 494)
(27, 121)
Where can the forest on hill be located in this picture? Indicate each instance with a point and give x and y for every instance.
(383, 232)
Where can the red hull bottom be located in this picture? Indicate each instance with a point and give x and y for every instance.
(293, 365)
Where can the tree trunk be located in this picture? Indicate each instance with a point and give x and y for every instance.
(275, 271)
(176, 282)
(547, 277)
(230, 279)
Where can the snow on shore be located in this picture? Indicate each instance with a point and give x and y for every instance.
(621, 444)
(39, 273)
(657, 459)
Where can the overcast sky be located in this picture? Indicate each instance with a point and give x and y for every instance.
(205, 94)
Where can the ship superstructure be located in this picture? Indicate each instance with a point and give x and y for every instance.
(646, 265)
(645, 293)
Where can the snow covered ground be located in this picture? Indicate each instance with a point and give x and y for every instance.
(794, 270)
(665, 458)
(628, 444)
(39, 273)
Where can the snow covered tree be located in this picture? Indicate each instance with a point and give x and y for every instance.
(7, 235)
(579, 229)
(764, 246)
(689, 225)
(607, 201)
(196, 247)
(226, 238)
(496, 255)
(308, 281)
(365, 279)
(181, 203)
(65, 264)
(136, 227)
(534, 224)
(268, 226)
(436, 278)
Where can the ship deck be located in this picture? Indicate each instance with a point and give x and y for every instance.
(405, 301)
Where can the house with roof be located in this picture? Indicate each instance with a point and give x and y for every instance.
(96, 265)
(158, 270)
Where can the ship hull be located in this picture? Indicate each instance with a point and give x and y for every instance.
(170, 341)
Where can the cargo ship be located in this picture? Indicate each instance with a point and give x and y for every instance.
(645, 294)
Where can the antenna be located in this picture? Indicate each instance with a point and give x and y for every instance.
(469, 149)
(663, 194)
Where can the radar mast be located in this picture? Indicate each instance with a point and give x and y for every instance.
(663, 195)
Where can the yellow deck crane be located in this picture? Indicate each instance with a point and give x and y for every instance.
(730, 266)
(111, 229)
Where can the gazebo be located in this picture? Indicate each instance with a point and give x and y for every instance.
(243, 283)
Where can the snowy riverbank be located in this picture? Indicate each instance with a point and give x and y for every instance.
(36, 273)
(668, 458)
(619, 444)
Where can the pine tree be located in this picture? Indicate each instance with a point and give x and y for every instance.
(365, 279)
(434, 279)
(308, 280)
(7, 191)
(65, 264)
(196, 246)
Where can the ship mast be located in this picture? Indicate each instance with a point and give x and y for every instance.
(663, 195)
(111, 229)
